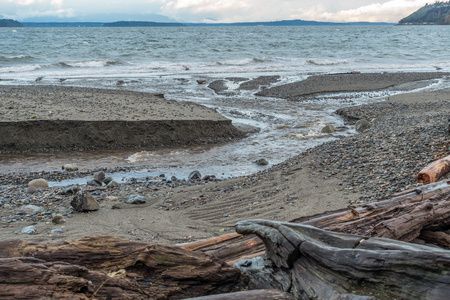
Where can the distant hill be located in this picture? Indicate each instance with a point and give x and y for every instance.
(434, 14)
(10, 23)
(287, 23)
(141, 24)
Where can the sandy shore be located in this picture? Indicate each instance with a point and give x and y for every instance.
(50, 118)
(407, 132)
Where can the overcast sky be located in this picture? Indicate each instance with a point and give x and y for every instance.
(220, 10)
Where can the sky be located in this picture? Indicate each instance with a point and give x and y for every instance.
(223, 11)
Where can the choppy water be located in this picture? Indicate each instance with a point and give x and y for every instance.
(170, 60)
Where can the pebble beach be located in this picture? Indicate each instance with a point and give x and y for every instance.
(405, 133)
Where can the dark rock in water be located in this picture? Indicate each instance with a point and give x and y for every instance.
(173, 179)
(261, 162)
(135, 199)
(84, 202)
(362, 125)
(195, 175)
(94, 182)
(206, 178)
(107, 180)
(328, 129)
(100, 176)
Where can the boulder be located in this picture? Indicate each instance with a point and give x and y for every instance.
(84, 202)
(135, 199)
(70, 167)
(261, 162)
(100, 176)
(29, 230)
(362, 125)
(328, 129)
(31, 190)
(195, 175)
(107, 180)
(32, 209)
(38, 183)
(113, 184)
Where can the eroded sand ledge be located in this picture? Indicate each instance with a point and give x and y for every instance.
(50, 118)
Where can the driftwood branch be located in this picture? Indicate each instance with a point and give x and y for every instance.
(435, 170)
(329, 265)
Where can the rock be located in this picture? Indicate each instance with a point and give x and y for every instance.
(362, 125)
(70, 167)
(195, 175)
(58, 220)
(29, 230)
(31, 190)
(135, 199)
(206, 178)
(107, 180)
(38, 183)
(173, 179)
(57, 230)
(100, 176)
(71, 190)
(32, 209)
(328, 129)
(201, 81)
(94, 182)
(113, 184)
(261, 162)
(84, 202)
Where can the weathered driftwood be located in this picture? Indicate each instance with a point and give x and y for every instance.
(436, 237)
(250, 295)
(375, 219)
(81, 269)
(435, 170)
(319, 264)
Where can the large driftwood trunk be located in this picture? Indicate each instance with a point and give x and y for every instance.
(105, 267)
(312, 263)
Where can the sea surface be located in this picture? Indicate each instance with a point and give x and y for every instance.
(171, 60)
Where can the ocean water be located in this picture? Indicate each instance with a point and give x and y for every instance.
(171, 60)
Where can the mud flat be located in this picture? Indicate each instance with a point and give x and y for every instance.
(50, 118)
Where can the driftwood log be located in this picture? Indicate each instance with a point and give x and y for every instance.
(312, 263)
(434, 171)
(105, 267)
(305, 261)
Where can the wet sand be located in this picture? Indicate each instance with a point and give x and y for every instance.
(407, 132)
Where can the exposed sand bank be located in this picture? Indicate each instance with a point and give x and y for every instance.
(47, 118)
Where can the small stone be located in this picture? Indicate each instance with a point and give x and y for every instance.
(328, 129)
(70, 167)
(31, 190)
(362, 125)
(113, 184)
(84, 202)
(173, 179)
(201, 81)
(71, 190)
(57, 230)
(29, 230)
(112, 198)
(32, 209)
(195, 175)
(58, 220)
(38, 183)
(135, 199)
(261, 162)
(107, 180)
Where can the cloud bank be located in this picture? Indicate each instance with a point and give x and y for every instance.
(223, 11)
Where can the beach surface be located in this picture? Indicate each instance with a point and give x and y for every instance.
(406, 133)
